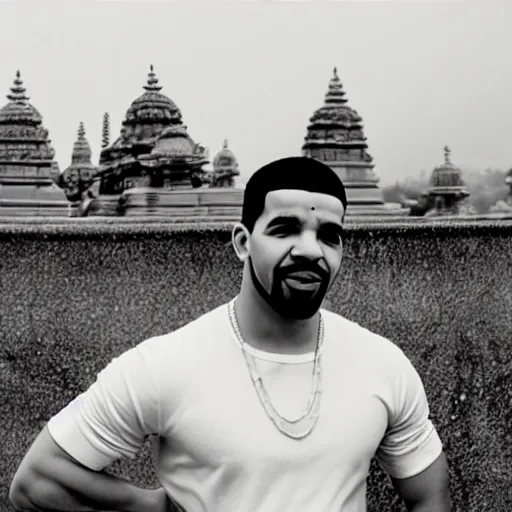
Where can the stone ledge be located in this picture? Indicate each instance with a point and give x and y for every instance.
(131, 225)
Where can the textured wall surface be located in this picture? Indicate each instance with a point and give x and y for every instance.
(73, 298)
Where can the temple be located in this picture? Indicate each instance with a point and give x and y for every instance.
(335, 136)
(155, 168)
(153, 155)
(447, 190)
(27, 162)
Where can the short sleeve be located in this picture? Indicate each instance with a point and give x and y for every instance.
(411, 443)
(113, 417)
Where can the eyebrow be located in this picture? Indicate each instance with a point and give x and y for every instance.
(293, 220)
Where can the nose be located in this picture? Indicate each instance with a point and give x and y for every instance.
(307, 246)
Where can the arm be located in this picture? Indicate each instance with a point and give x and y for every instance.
(411, 451)
(428, 491)
(49, 479)
(63, 468)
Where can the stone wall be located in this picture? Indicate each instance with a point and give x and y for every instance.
(76, 293)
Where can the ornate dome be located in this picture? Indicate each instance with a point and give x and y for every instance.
(447, 178)
(152, 106)
(335, 109)
(19, 110)
(225, 159)
(174, 143)
(24, 137)
(146, 118)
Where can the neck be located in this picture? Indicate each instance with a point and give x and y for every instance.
(264, 329)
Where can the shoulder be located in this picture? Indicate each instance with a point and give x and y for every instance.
(349, 335)
(190, 337)
(168, 354)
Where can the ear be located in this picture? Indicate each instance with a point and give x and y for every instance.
(240, 239)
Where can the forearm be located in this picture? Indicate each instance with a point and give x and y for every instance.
(439, 502)
(81, 490)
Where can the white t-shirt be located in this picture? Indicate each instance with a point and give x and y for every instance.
(218, 451)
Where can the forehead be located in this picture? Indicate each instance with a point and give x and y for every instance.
(301, 202)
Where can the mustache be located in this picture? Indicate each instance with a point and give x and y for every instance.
(303, 267)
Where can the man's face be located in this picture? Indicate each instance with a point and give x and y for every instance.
(296, 250)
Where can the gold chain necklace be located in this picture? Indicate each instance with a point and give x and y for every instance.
(303, 425)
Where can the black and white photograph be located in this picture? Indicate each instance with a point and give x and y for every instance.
(256, 255)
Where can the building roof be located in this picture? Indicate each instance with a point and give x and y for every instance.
(18, 109)
(447, 178)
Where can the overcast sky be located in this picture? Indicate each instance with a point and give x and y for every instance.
(422, 74)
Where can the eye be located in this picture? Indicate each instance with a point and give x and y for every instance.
(330, 236)
(282, 231)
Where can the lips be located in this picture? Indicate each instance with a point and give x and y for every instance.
(304, 277)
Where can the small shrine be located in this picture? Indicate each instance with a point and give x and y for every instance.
(225, 168)
(447, 190)
(27, 164)
(335, 136)
(76, 180)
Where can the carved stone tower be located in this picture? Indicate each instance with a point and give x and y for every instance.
(27, 164)
(335, 136)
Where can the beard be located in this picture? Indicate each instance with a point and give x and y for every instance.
(297, 304)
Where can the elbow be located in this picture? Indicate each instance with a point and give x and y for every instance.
(25, 493)
(18, 497)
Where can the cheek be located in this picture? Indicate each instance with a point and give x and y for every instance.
(333, 258)
(265, 259)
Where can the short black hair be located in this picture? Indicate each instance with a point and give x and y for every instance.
(298, 172)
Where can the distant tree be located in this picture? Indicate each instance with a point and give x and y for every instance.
(106, 130)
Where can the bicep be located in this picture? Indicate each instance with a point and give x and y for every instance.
(430, 484)
(45, 456)
(44, 463)
(411, 442)
(114, 416)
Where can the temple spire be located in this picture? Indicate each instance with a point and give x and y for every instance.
(81, 148)
(18, 91)
(152, 85)
(447, 152)
(335, 94)
(225, 145)
(81, 131)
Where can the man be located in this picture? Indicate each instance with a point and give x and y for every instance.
(266, 404)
